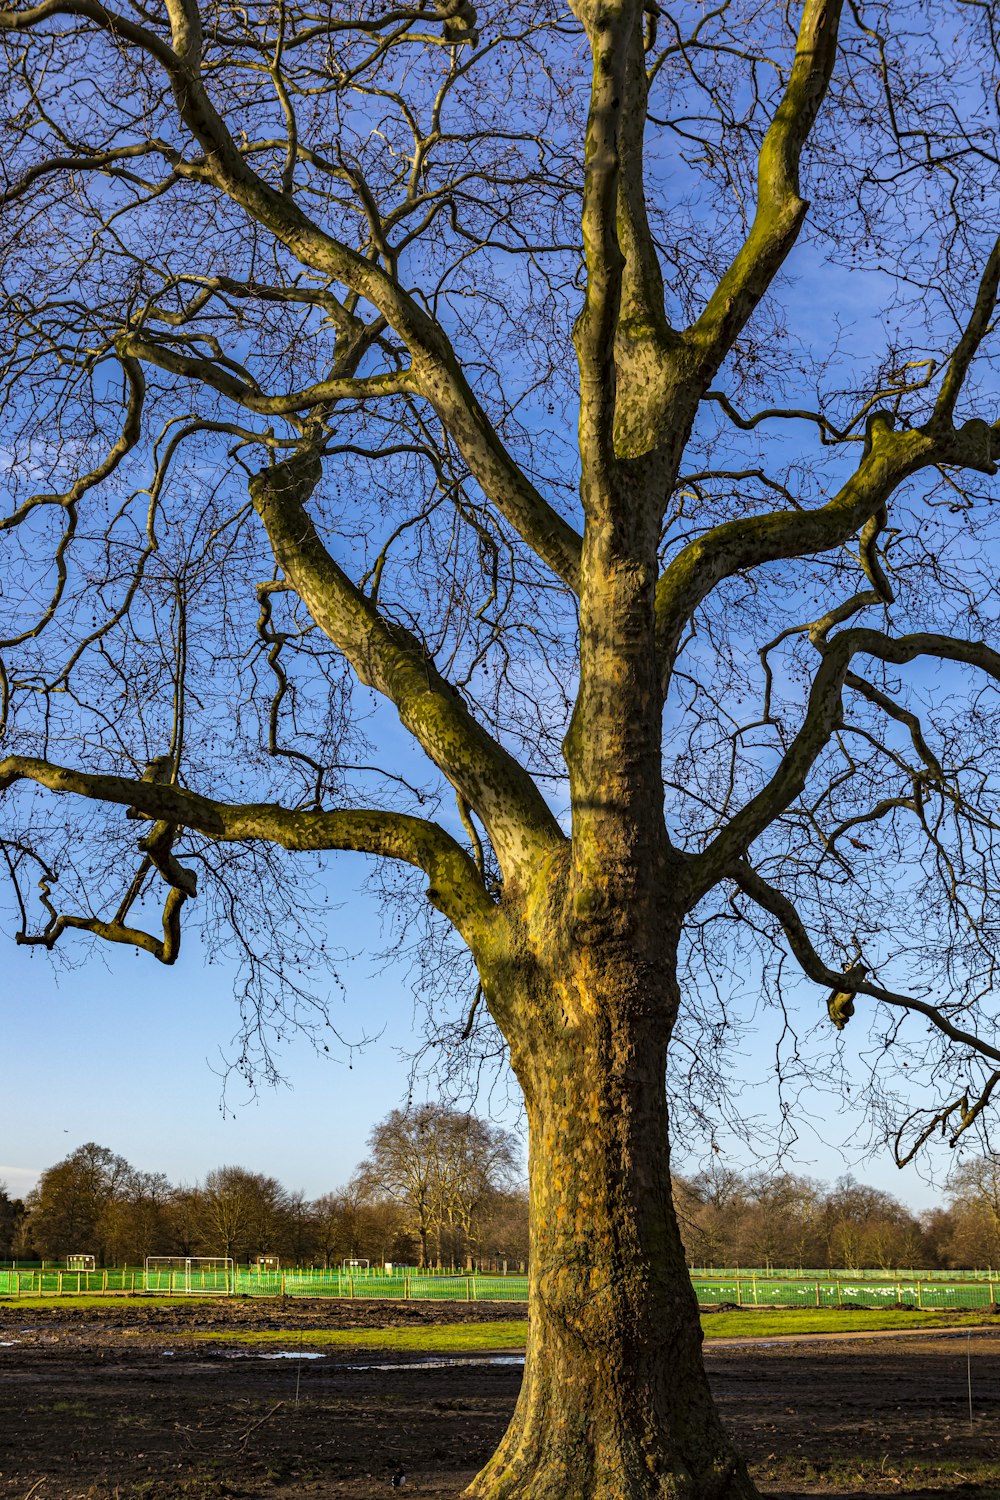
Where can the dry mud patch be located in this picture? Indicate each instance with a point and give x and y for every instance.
(93, 1407)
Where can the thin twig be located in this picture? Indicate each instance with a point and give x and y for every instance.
(242, 1440)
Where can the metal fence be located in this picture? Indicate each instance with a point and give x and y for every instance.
(748, 1289)
(849, 1291)
(843, 1273)
(245, 1281)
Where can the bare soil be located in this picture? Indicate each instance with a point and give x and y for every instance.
(121, 1402)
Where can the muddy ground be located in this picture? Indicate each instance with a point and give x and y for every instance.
(121, 1403)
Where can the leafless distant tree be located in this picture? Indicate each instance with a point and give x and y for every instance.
(71, 1211)
(12, 1215)
(443, 1167)
(419, 444)
(240, 1213)
(974, 1212)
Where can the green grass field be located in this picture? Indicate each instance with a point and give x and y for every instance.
(774, 1322)
(460, 1338)
(123, 1299)
(440, 1338)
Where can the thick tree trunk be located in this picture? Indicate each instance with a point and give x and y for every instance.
(615, 1403)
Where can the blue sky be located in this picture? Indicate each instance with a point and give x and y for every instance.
(122, 1051)
(127, 1053)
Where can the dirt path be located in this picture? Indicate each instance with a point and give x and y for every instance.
(859, 1336)
(125, 1405)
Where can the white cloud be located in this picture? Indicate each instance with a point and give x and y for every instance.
(19, 1179)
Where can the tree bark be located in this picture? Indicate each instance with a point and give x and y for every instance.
(615, 1403)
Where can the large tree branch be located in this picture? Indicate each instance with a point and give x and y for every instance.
(455, 887)
(181, 884)
(979, 324)
(822, 716)
(244, 392)
(646, 372)
(889, 458)
(610, 31)
(780, 210)
(853, 981)
(436, 370)
(392, 661)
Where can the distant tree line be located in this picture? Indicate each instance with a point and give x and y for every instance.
(439, 1187)
(779, 1219)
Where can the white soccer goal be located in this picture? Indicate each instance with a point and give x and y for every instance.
(190, 1273)
(81, 1263)
(268, 1263)
(356, 1265)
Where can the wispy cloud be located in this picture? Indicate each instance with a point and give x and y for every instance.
(20, 1179)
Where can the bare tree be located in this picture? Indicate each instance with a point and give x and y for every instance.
(974, 1212)
(442, 1166)
(503, 1232)
(476, 1162)
(223, 1209)
(443, 365)
(72, 1210)
(136, 1223)
(12, 1217)
(240, 1213)
(866, 1227)
(402, 1166)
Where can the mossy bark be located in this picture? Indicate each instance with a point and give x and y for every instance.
(615, 1403)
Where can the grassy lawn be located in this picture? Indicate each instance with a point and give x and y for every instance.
(440, 1338)
(774, 1322)
(458, 1338)
(109, 1299)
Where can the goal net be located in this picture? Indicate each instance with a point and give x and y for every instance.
(356, 1265)
(189, 1273)
(80, 1263)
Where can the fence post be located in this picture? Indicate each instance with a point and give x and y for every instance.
(350, 1283)
(406, 1288)
(739, 1293)
(817, 1294)
(899, 1295)
(468, 1288)
(920, 1294)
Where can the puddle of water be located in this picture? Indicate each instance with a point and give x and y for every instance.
(444, 1363)
(271, 1354)
(291, 1354)
(432, 1362)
